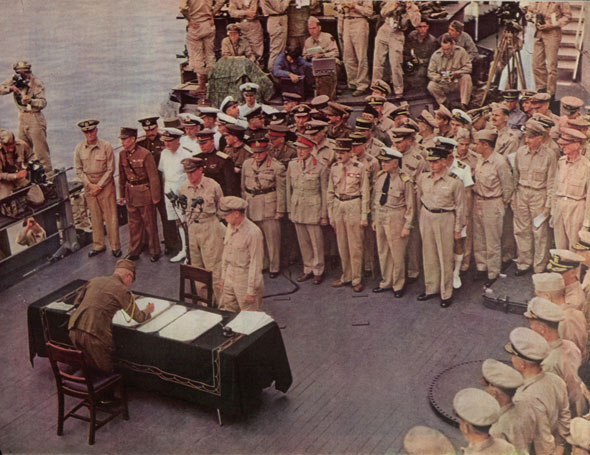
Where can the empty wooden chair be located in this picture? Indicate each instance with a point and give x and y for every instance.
(191, 274)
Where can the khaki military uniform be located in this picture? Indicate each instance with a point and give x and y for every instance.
(564, 360)
(263, 187)
(238, 154)
(91, 323)
(96, 164)
(442, 214)
(547, 42)
(470, 159)
(491, 193)
(200, 33)
(383, 126)
(515, 425)
(544, 398)
(348, 199)
(373, 167)
(139, 184)
(342, 130)
(489, 446)
(389, 42)
(571, 204)
(396, 190)
(507, 142)
(32, 127)
(283, 154)
(240, 49)
(355, 37)
(374, 146)
(324, 153)
(307, 183)
(241, 268)
(251, 28)
(276, 26)
(458, 61)
(9, 167)
(326, 42)
(574, 327)
(205, 232)
(534, 176)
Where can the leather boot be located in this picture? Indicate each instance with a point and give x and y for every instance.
(202, 88)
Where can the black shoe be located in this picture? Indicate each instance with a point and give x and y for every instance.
(132, 257)
(445, 303)
(521, 272)
(272, 275)
(506, 265)
(117, 253)
(379, 290)
(155, 258)
(480, 275)
(489, 282)
(398, 294)
(424, 296)
(93, 253)
(410, 280)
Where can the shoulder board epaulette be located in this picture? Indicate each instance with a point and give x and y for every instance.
(381, 172)
(455, 176)
(222, 155)
(248, 149)
(418, 156)
(460, 164)
(405, 178)
(378, 142)
(356, 163)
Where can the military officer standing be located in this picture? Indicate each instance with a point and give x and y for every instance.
(236, 149)
(393, 205)
(139, 187)
(279, 148)
(336, 116)
(218, 165)
(516, 118)
(263, 188)
(276, 26)
(94, 162)
(508, 141)
(247, 13)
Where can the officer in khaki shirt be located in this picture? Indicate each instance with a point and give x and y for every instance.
(570, 209)
(276, 26)
(263, 188)
(508, 141)
(94, 162)
(534, 174)
(393, 206)
(491, 194)
(319, 39)
(233, 45)
(322, 150)
(247, 14)
(441, 204)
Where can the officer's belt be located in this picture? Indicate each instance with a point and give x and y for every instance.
(344, 197)
(486, 198)
(276, 15)
(262, 191)
(531, 188)
(565, 196)
(437, 210)
(138, 182)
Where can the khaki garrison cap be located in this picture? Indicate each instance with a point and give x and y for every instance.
(87, 125)
(463, 133)
(533, 128)
(571, 103)
(571, 135)
(579, 433)
(563, 260)
(500, 106)
(169, 134)
(149, 123)
(388, 154)
(228, 204)
(527, 344)
(427, 118)
(501, 375)
(381, 86)
(486, 135)
(548, 282)
(442, 110)
(543, 309)
(126, 264)
(422, 440)
(232, 28)
(192, 164)
(476, 407)
(127, 132)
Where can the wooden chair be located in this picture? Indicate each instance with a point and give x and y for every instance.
(75, 379)
(191, 274)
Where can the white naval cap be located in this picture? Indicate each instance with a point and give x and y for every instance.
(476, 407)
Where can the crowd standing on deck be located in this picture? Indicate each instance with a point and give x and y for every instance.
(390, 193)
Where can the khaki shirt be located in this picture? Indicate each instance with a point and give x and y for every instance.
(348, 180)
(400, 194)
(35, 90)
(471, 158)
(211, 193)
(535, 169)
(240, 49)
(238, 9)
(575, 297)
(244, 249)
(544, 398)
(490, 446)
(443, 192)
(516, 426)
(283, 154)
(238, 154)
(8, 170)
(274, 7)
(572, 181)
(374, 146)
(269, 175)
(324, 153)
(507, 142)
(372, 166)
(493, 178)
(98, 302)
(410, 17)
(94, 163)
(342, 130)
(362, 9)
(574, 328)
(197, 11)
(413, 162)
(326, 42)
(459, 62)
(555, 13)
(139, 180)
(307, 184)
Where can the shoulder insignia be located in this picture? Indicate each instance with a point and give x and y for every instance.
(405, 178)
(356, 164)
(460, 164)
(378, 142)
(455, 176)
(222, 155)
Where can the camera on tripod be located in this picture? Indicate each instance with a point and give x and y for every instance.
(510, 15)
(36, 172)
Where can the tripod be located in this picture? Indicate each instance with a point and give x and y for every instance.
(507, 54)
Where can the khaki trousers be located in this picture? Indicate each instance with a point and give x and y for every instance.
(272, 244)
(32, 129)
(205, 240)
(235, 287)
(389, 44)
(252, 31)
(545, 59)
(437, 230)
(199, 43)
(532, 243)
(508, 240)
(468, 241)
(392, 249)
(355, 35)
(99, 355)
(349, 236)
(463, 85)
(141, 220)
(369, 249)
(103, 210)
(276, 26)
(488, 216)
(414, 249)
(568, 219)
(311, 244)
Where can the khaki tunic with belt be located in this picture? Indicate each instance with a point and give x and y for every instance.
(241, 268)
(96, 164)
(389, 219)
(491, 193)
(276, 26)
(534, 177)
(348, 199)
(442, 214)
(205, 232)
(570, 203)
(263, 187)
(91, 323)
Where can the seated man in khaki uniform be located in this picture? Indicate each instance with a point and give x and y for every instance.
(233, 45)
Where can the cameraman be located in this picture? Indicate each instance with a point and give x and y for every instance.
(29, 97)
(418, 48)
(14, 156)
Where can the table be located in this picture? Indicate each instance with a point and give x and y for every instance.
(225, 373)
